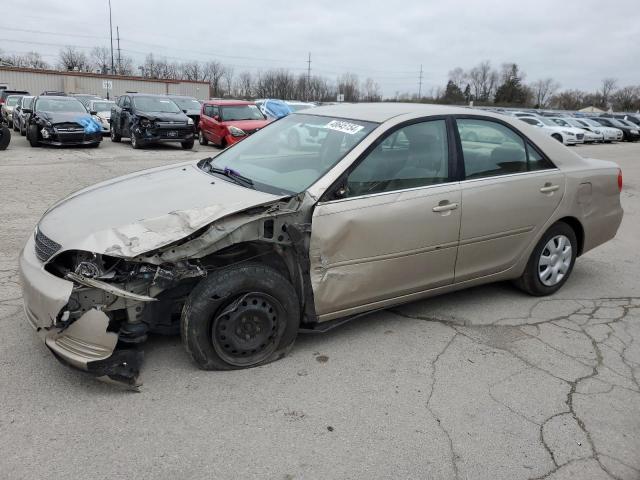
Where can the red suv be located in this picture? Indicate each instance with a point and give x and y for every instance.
(225, 122)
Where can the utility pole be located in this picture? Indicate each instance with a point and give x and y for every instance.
(308, 76)
(420, 84)
(119, 59)
(111, 36)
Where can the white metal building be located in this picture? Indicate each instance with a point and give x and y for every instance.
(37, 81)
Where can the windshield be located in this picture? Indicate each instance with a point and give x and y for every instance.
(561, 122)
(530, 121)
(241, 112)
(576, 123)
(45, 104)
(616, 122)
(102, 106)
(12, 100)
(628, 123)
(27, 102)
(155, 104)
(590, 122)
(186, 103)
(548, 122)
(291, 154)
(296, 107)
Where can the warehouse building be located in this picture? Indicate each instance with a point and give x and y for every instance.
(37, 81)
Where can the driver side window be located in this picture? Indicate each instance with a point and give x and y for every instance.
(413, 156)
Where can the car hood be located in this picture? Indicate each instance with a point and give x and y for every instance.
(140, 212)
(64, 117)
(164, 117)
(247, 124)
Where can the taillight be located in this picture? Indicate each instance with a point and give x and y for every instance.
(620, 179)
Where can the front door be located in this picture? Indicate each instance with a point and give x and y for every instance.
(509, 192)
(395, 232)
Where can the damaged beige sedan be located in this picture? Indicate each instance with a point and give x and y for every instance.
(376, 205)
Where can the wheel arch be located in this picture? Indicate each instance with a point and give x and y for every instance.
(578, 229)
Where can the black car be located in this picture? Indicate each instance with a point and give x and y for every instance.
(147, 119)
(635, 119)
(190, 106)
(61, 121)
(630, 134)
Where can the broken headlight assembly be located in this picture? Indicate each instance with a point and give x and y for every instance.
(146, 123)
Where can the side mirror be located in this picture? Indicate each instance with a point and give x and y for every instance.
(93, 112)
(184, 111)
(27, 110)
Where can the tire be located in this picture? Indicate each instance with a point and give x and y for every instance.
(5, 137)
(557, 137)
(23, 130)
(293, 140)
(136, 143)
(10, 123)
(187, 145)
(214, 326)
(15, 127)
(202, 140)
(115, 137)
(32, 136)
(536, 279)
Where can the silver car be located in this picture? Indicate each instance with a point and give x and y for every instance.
(242, 251)
(6, 109)
(100, 110)
(21, 118)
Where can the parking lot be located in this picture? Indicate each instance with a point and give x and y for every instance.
(486, 383)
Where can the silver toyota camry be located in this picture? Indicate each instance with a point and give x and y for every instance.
(381, 204)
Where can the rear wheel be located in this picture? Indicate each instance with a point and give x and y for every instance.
(202, 140)
(32, 135)
(187, 145)
(240, 317)
(551, 262)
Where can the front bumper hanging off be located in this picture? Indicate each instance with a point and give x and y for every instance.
(85, 344)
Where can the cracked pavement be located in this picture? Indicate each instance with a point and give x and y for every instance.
(486, 383)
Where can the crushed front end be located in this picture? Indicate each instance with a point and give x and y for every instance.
(94, 311)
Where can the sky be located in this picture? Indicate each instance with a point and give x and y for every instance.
(576, 42)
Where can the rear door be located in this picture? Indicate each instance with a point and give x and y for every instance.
(509, 192)
(395, 230)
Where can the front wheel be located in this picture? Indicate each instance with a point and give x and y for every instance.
(187, 145)
(136, 143)
(115, 137)
(239, 317)
(558, 137)
(551, 261)
(32, 135)
(5, 137)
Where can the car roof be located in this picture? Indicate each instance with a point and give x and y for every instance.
(383, 111)
(228, 102)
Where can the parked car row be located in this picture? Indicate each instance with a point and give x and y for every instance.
(575, 130)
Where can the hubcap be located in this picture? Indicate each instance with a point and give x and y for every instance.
(249, 329)
(555, 260)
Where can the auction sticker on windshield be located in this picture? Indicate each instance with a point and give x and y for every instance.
(344, 127)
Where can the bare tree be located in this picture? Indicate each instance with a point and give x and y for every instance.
(227, 77)
(569, 100)
(626, 99)
(70, 58)
(244, 85)
(101, 59)
(125, 66)
(608, 86)
(543, 90)
(458, 77)
(371, 91)
(213, 72)
(348, 85)
(483, 81)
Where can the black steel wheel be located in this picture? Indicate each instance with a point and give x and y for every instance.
(239, 317)
(249, 329)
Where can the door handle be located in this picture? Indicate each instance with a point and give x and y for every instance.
(548, 188)
(445, 206)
